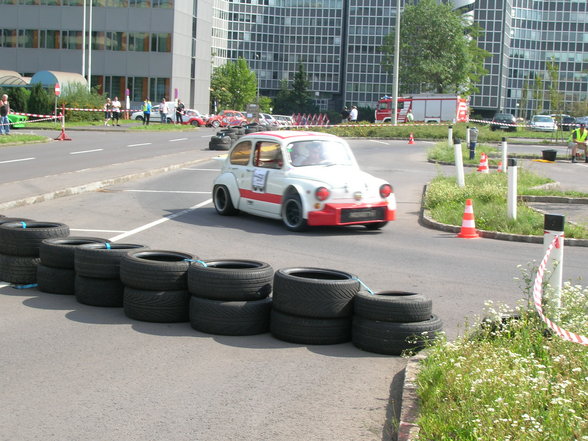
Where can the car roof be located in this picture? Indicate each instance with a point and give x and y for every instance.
(290, 135)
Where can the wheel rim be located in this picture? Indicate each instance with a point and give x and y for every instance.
(215, 124)
(293, 213)
(220, 199)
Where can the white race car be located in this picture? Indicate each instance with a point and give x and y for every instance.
(304, 179)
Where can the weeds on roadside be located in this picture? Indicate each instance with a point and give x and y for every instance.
(509, 378)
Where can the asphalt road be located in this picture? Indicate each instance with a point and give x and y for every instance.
(75, 372)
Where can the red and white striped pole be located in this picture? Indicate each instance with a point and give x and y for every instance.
(553, 226)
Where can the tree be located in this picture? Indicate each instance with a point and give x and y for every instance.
(523, 104)
(233, 86)
(39, 101)
(538, 93)
(555, 96)
(438, 50)
(296, 99)
(282, 105)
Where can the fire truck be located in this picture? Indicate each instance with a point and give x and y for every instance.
(427, 108)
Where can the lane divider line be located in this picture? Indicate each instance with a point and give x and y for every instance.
(85, 151)
(202, 169)
(178, 139)
(138, 145)
(159, 221)
(16, 160)
(97, 231)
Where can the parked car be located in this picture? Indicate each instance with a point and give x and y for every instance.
(194, 117)
(304, 179)
(17, 121)
(155, 115)
(227, 118)
(504, 121)
(566, 122)
(266, 119)
(284, 120)
(581, 120)
(543, 123)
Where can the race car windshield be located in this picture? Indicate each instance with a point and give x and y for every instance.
(308, 153)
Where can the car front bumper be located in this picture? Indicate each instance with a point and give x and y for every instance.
(350, 214)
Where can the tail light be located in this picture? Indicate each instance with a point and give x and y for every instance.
(385, 190)
(321, 193)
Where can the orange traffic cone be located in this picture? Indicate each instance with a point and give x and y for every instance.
(500, 167)
(468, 224)
(411, 139)
(483, 167)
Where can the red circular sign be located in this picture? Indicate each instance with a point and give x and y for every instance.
(57, 89)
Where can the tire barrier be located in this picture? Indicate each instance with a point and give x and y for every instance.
(313, 305)
(235, 297)
(20, 240)
(97, 269)
(230, 296)
(219, 143)
(156, 285)
(56, 273)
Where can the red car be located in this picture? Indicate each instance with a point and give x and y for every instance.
(193, 117)
(227, 118)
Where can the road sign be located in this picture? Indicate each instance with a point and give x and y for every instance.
(57, 89)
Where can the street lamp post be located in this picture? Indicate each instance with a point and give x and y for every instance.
(257, 76)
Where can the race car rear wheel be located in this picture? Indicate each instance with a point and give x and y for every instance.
(292, 213)
(375, 225)
(223, 202)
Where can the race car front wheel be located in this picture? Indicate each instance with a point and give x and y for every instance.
(292, 213)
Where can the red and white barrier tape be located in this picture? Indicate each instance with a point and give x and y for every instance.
(537, 296)
(33, 114)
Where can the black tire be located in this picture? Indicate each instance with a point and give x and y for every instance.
(230, 318)
(314, 292)
(102, 261)
(310, 331)
(20, 270)
(195, 123)
(156, 270)
(24, 238)
(99, 292)
(293, 214)
(393, 306)
(59, 253)
(215, 124)
(223, 204)
(375, 225)
(393, 338)
(56, 280)
(139, 118)
(231, 280)
(157, 306)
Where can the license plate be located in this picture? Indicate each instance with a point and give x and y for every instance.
(362, 214)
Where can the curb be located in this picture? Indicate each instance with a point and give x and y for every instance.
(427, 221)
(93, 186)
(408, 430)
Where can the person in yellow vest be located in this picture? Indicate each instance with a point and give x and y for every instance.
(579, 138)
(146, 111)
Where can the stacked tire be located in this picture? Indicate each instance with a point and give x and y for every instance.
(391, 322)
(220, 142)
(313, 305)
(56, 270)
(97, 268)
(230, 297)
(155, 285)
(20, 240)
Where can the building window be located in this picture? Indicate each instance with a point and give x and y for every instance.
(50, 39)
(140, 3)
(72, 40)
(116, 41)
(139, 41)
(160, 42)
(28, 38)
(8, 37)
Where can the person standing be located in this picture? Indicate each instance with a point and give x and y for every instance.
(353, 114)
(146, 111)
(116, 106)
(580, 139)
(163, 111)
(409, 117)
(107, 111)
(345, 114)
(4, 111)
(473, 141)
(179, 112)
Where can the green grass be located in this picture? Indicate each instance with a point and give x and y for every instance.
(445, 201)
(509, 379)
(18, 138)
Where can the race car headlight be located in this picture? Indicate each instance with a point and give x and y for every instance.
(322, 193)
(385, 190)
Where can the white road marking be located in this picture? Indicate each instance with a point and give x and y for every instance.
(207, 136)
(137, 145)
(159, 221)
(4, 284)
(202, 169)
(379, 142)
(167, 191)
(17, 160)
(97, 231)
(85, 151)
(178, 139)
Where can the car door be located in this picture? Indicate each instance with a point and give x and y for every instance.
(262, 182)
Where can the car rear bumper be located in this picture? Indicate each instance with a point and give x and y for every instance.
(350, 214)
